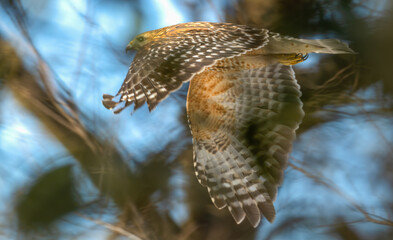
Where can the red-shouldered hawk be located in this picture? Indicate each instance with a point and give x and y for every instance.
(243, 103)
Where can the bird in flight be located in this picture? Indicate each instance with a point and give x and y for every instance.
(243, 103)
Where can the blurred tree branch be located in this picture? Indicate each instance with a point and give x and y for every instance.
(112, 227)
(100, 159)
(330, 185)
(112, 177)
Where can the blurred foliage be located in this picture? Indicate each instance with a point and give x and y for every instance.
(51, 196)
(139, 194)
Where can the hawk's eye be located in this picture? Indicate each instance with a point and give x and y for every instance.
(141, 39)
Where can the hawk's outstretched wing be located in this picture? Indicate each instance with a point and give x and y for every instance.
(164, 64)
(243, 124)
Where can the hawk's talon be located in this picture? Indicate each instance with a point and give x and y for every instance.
(291, 59)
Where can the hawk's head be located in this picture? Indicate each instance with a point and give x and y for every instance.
(144, 38)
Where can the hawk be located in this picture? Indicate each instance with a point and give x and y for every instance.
(243, 103)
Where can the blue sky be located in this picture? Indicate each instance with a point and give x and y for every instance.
(89, 58)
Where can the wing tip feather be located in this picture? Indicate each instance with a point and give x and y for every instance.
(107, 101)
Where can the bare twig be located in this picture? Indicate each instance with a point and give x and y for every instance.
(377, 128)
(336, 79)
(368, 216)
(111, 227)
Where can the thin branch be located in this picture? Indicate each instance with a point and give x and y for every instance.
(111, 227)
(368, 216)
(377, 128)
(336, 79)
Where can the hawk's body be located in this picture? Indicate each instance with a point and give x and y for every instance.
(243, 103)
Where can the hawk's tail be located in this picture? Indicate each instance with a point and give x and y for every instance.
(287, 45)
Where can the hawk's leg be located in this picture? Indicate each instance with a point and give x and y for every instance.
(290, 59)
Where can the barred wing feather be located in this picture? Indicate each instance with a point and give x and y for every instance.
(243, 124)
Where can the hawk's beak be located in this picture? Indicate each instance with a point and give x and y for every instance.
(129, 46)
